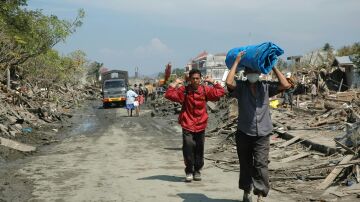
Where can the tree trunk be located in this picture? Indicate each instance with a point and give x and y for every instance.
(8, 78)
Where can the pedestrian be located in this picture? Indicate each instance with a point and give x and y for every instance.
(149, 90)
(140, 98)
(193, 118)
(154, 92)
(313, 91)
(130, 99)
(142, 93)
(289, 93)
(254, 127)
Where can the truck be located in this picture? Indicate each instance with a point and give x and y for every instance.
(114, 87)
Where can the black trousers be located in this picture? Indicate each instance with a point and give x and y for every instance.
(253, 153)
(193, 150)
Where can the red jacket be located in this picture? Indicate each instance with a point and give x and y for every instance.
(193, 116)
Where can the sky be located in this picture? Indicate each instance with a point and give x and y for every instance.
(124, 34)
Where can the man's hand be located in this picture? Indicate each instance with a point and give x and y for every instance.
(176, 83)
(179, 81)
(209, 79)
(230, 77)
(239, 56)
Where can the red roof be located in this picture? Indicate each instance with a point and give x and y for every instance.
(201, 55)
(103, 69)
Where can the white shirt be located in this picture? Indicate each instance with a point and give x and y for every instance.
(130, 97)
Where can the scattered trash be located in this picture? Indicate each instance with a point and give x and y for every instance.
(26, 130)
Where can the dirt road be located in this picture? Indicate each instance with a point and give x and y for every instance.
(110, 157)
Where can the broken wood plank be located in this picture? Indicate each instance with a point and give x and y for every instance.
(293, 158)
(339, 194)
(211, 105)
(16, 145)
(325, 165)
(345, 147)
(289, 142)
(273, 179)
(357, 169)
(334, 173)
(324, 122)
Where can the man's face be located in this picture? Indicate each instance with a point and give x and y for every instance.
(195, 80)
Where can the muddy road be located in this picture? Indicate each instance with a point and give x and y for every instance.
(107, 156)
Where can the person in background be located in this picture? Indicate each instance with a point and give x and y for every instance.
(313, 91)
(288, 93)
(141, 97)
(144, 91)
(130, 99)
(154, 92)
(254, 127)
(150, 91)
(193, 118)
(136, 89)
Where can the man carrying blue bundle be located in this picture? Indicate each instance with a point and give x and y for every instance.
(254, 127)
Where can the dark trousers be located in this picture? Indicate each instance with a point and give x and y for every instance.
(288, 98)
(193, 150)
(253, 153)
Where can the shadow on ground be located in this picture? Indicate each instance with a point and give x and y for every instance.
(192, 197)
(168, 178)
(173, 148)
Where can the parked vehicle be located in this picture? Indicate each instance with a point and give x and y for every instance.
(114, 87)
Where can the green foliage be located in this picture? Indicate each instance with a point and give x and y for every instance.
(28, 33)
(51, 67)
(349, 50)
(94, 68)
(161, 75)
(179, 72)
(353, 50)
(328, 47)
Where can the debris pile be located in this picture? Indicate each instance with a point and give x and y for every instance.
(27, 108)
(163, 107)
(312, 147)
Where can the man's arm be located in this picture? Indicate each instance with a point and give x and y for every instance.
(213, 93)
(283, 83)
(230, 77)
(174, 93)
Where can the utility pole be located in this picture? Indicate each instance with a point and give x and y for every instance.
(136, 72)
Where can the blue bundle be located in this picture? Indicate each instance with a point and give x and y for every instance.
(261, 57)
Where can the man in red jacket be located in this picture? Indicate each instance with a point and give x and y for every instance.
(193, 117)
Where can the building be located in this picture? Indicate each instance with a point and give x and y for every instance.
(352, 73)
(199, 62)
(209, 64)
(215, 66)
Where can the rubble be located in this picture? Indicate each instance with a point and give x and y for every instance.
(313, 146)
(163, 107)
(28, 108)
(305, 146)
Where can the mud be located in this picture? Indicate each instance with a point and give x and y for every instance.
(103, 155)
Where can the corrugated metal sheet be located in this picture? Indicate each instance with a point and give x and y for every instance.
(344, 60)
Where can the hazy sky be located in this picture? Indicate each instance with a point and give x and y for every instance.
(124, 34)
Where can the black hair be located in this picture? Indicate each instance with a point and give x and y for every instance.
(194, 71)
(249, 70)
